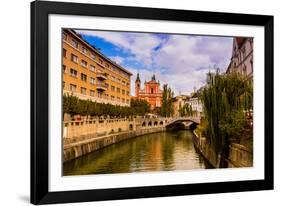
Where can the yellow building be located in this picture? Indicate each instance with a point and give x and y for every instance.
(88, 74)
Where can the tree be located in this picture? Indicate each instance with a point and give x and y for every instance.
(224, 104)
(185, 110)
(140, 107)
(73, 106)
(164, 101)
(167, 109)
(70, 104)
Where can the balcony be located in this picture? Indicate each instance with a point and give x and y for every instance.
(102, 76)
(102, 86)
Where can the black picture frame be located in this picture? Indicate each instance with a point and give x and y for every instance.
(39, 102)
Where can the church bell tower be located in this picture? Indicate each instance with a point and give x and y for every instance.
(137, 85)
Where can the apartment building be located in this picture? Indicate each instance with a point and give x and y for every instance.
(88, 74)
(242, 57)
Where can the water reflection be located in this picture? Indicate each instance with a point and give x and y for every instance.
(164, 151)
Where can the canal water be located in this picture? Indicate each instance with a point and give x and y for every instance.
(165, 151)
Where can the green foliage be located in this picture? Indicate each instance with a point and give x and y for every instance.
(73, 106)
(70, 105)
(157, 111)
(167, 109)
(224, 102)
(233, 125)
(140, 107)
(185, 110)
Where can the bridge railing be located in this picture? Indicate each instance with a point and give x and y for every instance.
(193, 119)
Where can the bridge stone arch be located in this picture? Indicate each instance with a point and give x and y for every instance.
(186, 122)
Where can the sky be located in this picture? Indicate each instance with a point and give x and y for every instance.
(181, 61)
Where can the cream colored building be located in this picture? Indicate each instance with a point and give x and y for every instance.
(242, 57)
(178, 103)
(196, 104)
(88, 74)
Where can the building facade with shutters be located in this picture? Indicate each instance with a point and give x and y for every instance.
(88, 74)
(242, 57)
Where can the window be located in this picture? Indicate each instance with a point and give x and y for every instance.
(74, 58)
(74, 43)
(251, 42)
(83, 77)
(92, 68)
(92, 93)
(63, 68)
(118, 90)
(151, 90)
(128, 84)
(128, 101)
(107, 65)
(73, 72)
(99, 94)
(64, 53)
(118, 99)
(64, 37)
(112, 98)
(72, 87)
(92, 80)
(93, 56)
(99, 82)
(244, 72)
(243, 53)
(84, 63)
(251, 62)
(123, 91)
(123, 100)
(113, 88)
(100, 61)
(123, 82)
(83, 90)
(128, 93)
(84, 50)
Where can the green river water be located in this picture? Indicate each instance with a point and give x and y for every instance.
(165, 151)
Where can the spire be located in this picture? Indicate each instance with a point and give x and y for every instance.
(153, 77)
(138, 78)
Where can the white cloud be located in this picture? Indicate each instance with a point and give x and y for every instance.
(138, 44)
(181, 83)
(181, 61)
(117, 59)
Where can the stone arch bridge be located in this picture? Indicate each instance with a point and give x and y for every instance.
(183, 122)
(146, 123)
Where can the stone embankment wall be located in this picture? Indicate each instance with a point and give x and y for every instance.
(77, 149)
(239, 155)
(82, 137)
